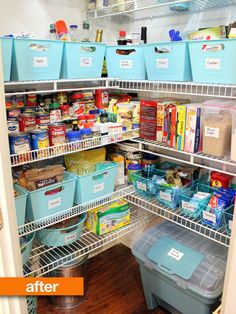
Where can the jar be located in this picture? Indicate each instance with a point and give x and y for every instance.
(104, 117)
(82, 120)
(233, 140)
(91, 119)
(217, 128)
(78, 104)
(132, 168)
(65, 112)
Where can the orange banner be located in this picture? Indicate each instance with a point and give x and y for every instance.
(41, 286)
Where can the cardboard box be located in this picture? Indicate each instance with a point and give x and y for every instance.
(180, 130)
(148, 130)
(193, 135)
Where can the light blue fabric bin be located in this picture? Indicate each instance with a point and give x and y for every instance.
(168, 61)
(52, 199)
(20, 203)
(96, 184)
(82, 60)
(35, 59)
(213, 61)
(64, 236)
(7, 44)
(126, 67)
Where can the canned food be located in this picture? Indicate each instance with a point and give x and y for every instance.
(8, 102)
(62, 98)
(57, 134)
(42, 119)
(27, 122)
(55, 115)
(39, 139)
(29, 110)
(19, 101)
(31, 100)
(13, 126)
(19, 142)
(13, 114)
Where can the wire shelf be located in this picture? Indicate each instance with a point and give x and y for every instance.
(224, 165)
(176, 216)
(157, 8)
(68, 148)
(45, 259)
(73, 212)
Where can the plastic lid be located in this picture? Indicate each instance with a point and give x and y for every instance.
(61, 26)
(73, 26)
(91, 116)
(87, 126)
(86, 131)
(122, 33)
(77, 96)
(135, 167)
(82, 117)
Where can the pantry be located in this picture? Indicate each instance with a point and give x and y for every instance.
(116, 128)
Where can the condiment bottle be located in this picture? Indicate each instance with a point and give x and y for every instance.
(62, 31)
(75, 126)
(99, 34)
(144, 35)
(122, 40)
(74, 33)
(53, 33)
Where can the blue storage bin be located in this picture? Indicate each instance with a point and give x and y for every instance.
(229, 216)
(32, 305)
(168, 61)
(62, 236)
(52, 199)
(35, 59)
(128, 66)
(26, 244)
(20, 203)
(213, 61)
(215, 218)
(96, 184)
(82, 60)
(7, 44)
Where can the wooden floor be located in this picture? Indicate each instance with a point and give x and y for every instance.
(114, 287)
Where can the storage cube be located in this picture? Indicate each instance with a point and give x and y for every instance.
(213, 61)
(36, 59)
(168, 61)
(20, 203)
(96, 184)
(82, 60)
(52, 199)
(6, 44)
(125, 62)
(180, 268)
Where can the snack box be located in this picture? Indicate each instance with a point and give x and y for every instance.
(180, 128)
(193, 133)
(104, 219)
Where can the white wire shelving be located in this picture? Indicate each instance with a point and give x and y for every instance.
(68, 148)
(156, 8)
(176, 216)
(50, 220)
(45, 259)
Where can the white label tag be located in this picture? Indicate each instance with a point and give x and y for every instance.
(212, 64)
(70, 237)
(126, 64)
(165, 196)
(40, 62)
(162, 63)
(54, 203)
(212, 132)
(230, 224)
(209, 216)
(85, 61)
(98, 188)
(176, 254)
(188, 206)
(142, 186)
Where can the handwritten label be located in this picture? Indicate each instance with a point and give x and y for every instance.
(98, 188)
(212, 132)
(212, 64)
(209, 216)
(126, 64)
(85, 61)
(54, 203)
(162, 63)
(188, 206)
(70, 237)
(177, 255)
(165, 196)
(142, 186)
(40, 62)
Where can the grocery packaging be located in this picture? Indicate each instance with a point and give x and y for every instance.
(125, 115)
(120, 160)
(220, 180)
(148, 119)
(193, 129)
(233, 140)
(180, 128)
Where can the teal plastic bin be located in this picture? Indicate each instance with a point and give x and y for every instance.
(26, 244)
(20, 203)
(125, 62)
(62, 236)
(35, 59)
(168, 61)
(213, 61)
(96, 184)
(7, 44)
(52, 199)
(32, 304)
(229, 216)
(82, 60)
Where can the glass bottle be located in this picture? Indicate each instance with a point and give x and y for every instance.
(99, 34)
(75, 126)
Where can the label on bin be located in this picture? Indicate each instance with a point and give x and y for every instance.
(98, 187)
(70, 237)
(40, 62)
(175, 254)
(162, 63)
(230, 224)
(142, 186)
(85, 61)
(209, 216)
(188, 206)
(212, 132)
(54, 203)
(212, 63)
(126, 64)
(165, 196)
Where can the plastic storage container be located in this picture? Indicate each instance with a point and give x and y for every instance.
(180, 268)
(52, 199)
(7, 44)
(63, 234)
(96, 184)
(35, 59)
(168, 61)
(26, 244)
(213, 61)
(32, 305)
(229, 213)
(215, 217)
(82, 60)
(20, 203)
(125, 62)
(233, 140)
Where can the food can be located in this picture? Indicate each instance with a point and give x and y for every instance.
(62, 98)
(8, 102)
(132, 168)
(19, 101)
(134, 158)
(39, 139)
(31, 100)
(19, 142)
(27, 122)
(57, 134)
(42, 120)
(13, 126)
(13, 114)
(55, 115)
(29, 110)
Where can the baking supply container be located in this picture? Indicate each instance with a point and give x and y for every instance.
(19, 142)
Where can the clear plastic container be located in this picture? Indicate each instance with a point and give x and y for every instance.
(74, 36)
(217, 126)
(233, 140)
